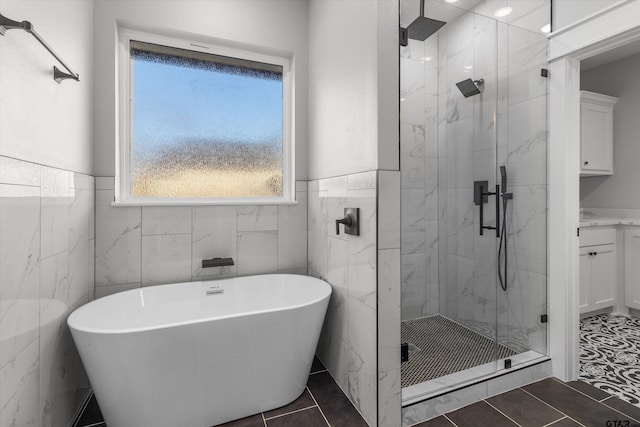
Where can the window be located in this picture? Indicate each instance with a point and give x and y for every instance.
(202, 124)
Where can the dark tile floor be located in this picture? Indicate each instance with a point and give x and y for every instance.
(321, 404)
(549, 402)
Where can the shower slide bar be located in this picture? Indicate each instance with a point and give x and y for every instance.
(58, 75)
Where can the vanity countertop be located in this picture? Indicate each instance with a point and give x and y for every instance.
(597, 221)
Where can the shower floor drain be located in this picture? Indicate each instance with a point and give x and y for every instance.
(439, 346)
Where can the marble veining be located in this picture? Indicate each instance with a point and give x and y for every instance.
(45, 273)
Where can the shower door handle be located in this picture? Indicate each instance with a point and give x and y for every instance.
(489, 227)
(497, 193)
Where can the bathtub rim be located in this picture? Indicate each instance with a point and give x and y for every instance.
(73, 323)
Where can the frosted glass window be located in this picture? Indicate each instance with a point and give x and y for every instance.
(204, 125)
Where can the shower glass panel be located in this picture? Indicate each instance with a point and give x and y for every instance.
(473, 119)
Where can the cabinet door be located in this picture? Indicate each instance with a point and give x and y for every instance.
(596, 136)
(632, 268)
(603, 276)
(585, 280)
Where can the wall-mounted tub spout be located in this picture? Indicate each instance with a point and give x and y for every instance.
(216, 262)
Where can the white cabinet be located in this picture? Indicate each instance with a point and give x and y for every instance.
(632, 268)
(597, 269)
(596, 133)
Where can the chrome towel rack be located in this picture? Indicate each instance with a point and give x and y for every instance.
(58, 75)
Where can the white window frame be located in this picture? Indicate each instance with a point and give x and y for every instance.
(124, 124)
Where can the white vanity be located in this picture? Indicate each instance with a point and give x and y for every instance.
(609, 263)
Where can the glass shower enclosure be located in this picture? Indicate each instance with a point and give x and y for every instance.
(473, 109)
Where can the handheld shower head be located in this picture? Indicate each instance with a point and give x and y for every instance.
(503, 175)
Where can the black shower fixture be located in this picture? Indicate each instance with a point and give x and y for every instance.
(423, 28)
(471, 87)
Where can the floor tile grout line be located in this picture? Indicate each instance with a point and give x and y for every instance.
(606, 398)
(449, 419)
(556, 421)
(603, 404)
(573, 388)
(319, 408)
(264, 421)
(318, 372)
(499, 411)
(567, 416)
(619, 411)
(101, 423)
(549, 405)
(289, 413)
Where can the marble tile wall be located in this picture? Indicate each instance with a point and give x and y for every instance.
(419, 177)
(46, 271)
(506, 125)
(389, 299)
(348, 343)
(144, 246)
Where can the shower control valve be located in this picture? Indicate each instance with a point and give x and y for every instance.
(351, 222)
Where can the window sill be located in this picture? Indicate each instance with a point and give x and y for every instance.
(246, 202)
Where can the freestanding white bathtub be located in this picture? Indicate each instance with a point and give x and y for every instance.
(202, 353)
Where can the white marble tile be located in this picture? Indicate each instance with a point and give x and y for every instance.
(485, 47)
(412, 79)
(81, 181)
(337, 276)
(103, 291)
(362, 370)
(389, 399)
(313, 185)
(257, 218)
(105, 183)
(61, 371)
(257, 252)
(292, 234)
(92, 268)
(55, 204)
(302, 186)
(18, 172)
(338, 264)
(412, 155)
(166, 259)
(80, 261)
(166, 220)
(530, 15)
(460, 222)
(118, 242)
(317, 234)
(333, 352)
(19, 394)
(362, 181)
(440, 405)
(389, 216)
(337, 187)
(459, 288)
(527, 54)
(54, 280)
(526, 227)
(460, 154)
(362, 249)
(388, 312)
(527, 300)
(214, 236)
(19, 268)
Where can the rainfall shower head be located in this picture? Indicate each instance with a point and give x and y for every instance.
(423, 28)
(471, 87)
